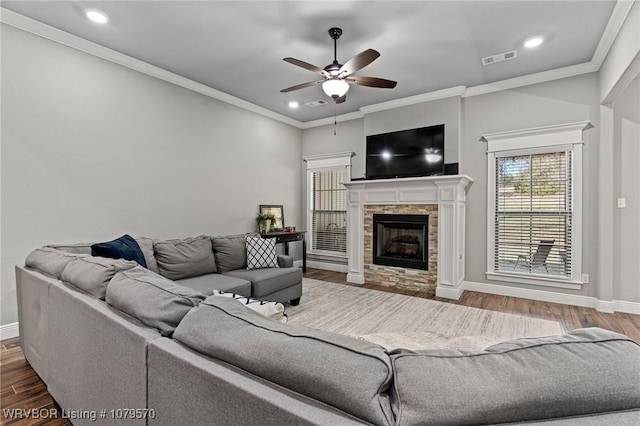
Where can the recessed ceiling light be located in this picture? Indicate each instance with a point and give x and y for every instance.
(97, 16)
(293, 104)
(533, 42)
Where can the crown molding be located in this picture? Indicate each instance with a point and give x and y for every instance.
(527, 80)
(417, 99)
(383, 106)
(38, 28)
(331, 120)
(618, 16)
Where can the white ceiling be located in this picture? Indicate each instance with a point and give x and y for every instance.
(237, 46)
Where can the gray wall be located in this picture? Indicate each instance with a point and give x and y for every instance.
(441, 111)
(92, 150)
(626, 221)
(555, 102)
(321, 140)
(349, 137)
(561, 101)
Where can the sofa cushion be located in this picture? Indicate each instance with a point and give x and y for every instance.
(231, 252)
(152, 299)
(78, 248)
(92, 274)
(261, 253)
(189, 257)
(50, 261)
(268, 280)
(124, 247)
(146, 245)
(587, 371)
(352, 375)
(206, 284)
(272, 310)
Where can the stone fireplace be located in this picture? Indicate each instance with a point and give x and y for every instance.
(401, 269)
(417, 225)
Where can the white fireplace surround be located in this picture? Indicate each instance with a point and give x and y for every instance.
(447, 192)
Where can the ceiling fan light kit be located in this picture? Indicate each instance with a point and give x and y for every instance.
(338, 77)
(335, 88)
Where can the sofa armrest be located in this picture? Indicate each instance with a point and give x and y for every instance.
(285, 261)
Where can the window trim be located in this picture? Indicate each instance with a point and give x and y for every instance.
(562, 137)
(319, 163)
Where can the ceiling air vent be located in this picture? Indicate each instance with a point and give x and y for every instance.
(500, 57)
(314, 104)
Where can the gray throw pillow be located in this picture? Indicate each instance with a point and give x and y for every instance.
(189, 257)
(92, 274)
(151, 298)
(585, 372)
(231, 252)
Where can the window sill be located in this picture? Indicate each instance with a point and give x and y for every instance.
(534, 280)
(321, 253)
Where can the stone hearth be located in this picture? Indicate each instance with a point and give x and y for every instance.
(443, 198)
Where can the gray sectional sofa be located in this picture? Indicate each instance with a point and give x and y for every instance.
(207, 263)
(107, 335)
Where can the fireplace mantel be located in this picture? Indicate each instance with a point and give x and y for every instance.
(447, 192)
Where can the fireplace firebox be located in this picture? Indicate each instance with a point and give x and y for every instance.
(400, 240)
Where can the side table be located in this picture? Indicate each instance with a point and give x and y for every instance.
(287, 237)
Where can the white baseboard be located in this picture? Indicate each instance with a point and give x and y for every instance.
(626, 307)
(328, 266)
(553, 297)
(9, 331)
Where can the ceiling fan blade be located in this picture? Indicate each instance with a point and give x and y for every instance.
(359, 61)
(371, 81)
(302, 86)
(341, 99)
(306, 66)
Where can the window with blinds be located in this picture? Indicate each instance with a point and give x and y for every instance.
(329, 211)
(533, 214)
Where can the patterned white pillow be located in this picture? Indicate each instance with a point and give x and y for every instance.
(261, 253)
(273, 310)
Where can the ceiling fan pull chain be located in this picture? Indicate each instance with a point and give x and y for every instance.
(335, 118)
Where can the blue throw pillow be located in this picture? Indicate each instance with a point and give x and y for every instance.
(125, 247)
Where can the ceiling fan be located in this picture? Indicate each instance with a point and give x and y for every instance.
(338, 77)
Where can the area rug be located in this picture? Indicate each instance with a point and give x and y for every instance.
(399, 321)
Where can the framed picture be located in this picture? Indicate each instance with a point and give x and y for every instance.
(277, 211)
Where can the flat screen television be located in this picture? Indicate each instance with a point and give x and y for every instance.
(407, 153)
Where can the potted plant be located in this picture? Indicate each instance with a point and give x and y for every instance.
(266, 222)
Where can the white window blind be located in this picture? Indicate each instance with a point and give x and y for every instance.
(329, 211)
(533, 214)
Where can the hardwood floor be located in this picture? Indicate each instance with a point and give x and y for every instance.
(21, 389)
(571, 317)
(22, 393)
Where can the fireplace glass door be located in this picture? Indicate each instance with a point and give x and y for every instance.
(400, 240)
